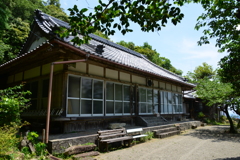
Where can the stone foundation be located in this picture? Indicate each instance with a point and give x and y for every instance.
(59, 145)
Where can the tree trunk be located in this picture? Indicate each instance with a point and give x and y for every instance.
(232, 128)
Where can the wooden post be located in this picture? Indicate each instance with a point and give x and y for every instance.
(43, 135)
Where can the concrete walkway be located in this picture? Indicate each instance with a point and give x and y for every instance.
(203, 143)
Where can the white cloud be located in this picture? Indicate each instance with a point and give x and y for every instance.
(194, 55)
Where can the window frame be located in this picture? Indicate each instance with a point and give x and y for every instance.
(81, 99)
(146, 101)
(114, 100)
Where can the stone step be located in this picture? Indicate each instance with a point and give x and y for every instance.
(165, 130)
(167, 134)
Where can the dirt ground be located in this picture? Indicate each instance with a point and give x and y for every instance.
(203, 143)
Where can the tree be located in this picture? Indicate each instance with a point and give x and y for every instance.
(12, 103)
(220, 22)
(15, 19)
(152, 55)
(218, 94)
(201, 72)
(100, 34)
(150, 15)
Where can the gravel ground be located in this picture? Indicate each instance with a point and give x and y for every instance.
(203, 143)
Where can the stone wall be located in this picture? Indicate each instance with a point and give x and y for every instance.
(59, 145)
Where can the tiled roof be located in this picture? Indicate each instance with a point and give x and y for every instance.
(112, 51)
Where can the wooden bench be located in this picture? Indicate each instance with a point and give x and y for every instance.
(136, 133)
(110, 136)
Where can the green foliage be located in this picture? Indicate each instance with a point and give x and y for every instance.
(25, 150)
(116, 15)
(149, 136)
(39, 146)
(40, 149)
(201, 115)
(201, 72)
(12, 103)
(100, 34)
(56, 12)
(32, 136)
(15, 19)
(8, 140)
(220, 22)
(214, 92)
(223, 119)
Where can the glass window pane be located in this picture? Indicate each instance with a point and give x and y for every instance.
(98, 90)
(156, 108)
(73, 86)
(180, 108)
(149, 108)
(97, 107)
(86, 107)
(176, 98)
(73, 106)
(86, 88)
(177, 108)
(142, 107)
(149, 96)
(165, 108)
(161, 97)
(45, 88)
(109, 107)
(162, 109)
(155, 96)
(126, 107)
(118, 107)
(109, 90)
(142, 95)
(169, 98)
(180, 99)
(170, 108)
(118, 92)
(126, 93)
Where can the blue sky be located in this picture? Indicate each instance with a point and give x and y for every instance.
(177, 43)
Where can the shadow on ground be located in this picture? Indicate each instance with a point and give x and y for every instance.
(216, 133)
(232, 158)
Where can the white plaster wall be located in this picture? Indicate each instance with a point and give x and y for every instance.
(139, 80)
(111, 74)
(37, 43)
(19, 76)
(162, 85)
(96, 70)
(155, 84)
(35, 72)
(46, 68)
(125, 77)
(79, 67)
(10, 79)
(168, 87)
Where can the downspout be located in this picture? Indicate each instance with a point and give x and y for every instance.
(50, 92)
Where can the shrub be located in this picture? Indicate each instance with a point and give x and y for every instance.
(223, 119)
(8, 140)
(201, 115)
(149, 135)
(39, 146)
(12, 103)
